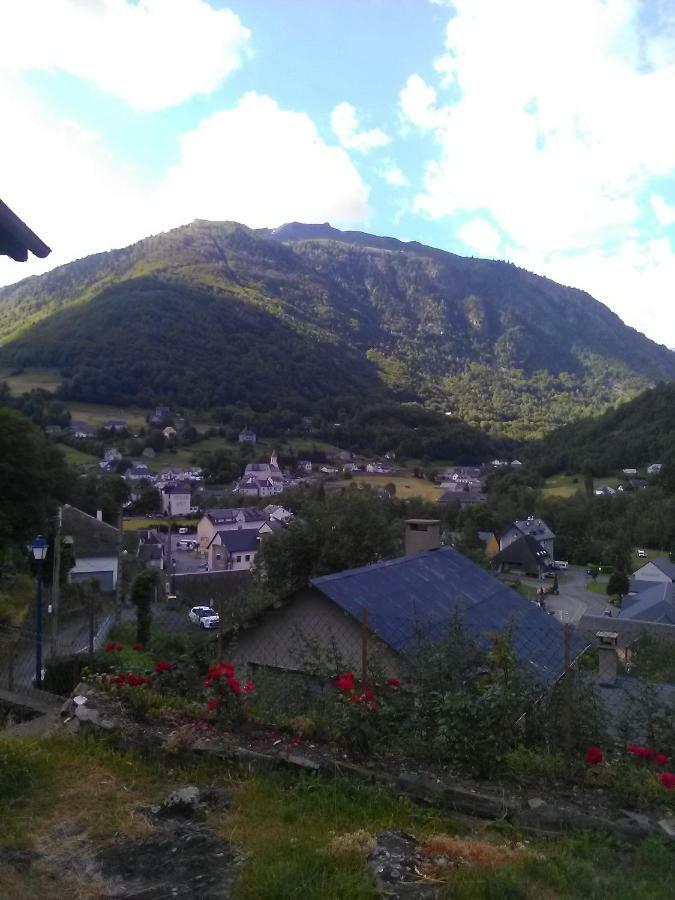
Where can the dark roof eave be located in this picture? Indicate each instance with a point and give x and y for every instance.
(16, 238)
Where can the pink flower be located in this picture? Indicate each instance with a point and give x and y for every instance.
(668, 780)
(249, 687)
(234, 686)
(393, 682)
(593, 756)
(640, 751)
(137, 646)
(661, 759)
(296, 741)
(213, 703)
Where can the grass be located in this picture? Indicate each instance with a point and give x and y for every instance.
(78, 457)
(303, 836)
(31, 379)
(651, 554)
(95, 414)
(406, 488)
(567, 485)
(597, 587)
(135, 523)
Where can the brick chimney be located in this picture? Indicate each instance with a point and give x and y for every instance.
(99, 515)
(607, 658)
(422, 534)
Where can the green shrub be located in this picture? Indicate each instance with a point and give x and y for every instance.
(534, 764)
(21, 768)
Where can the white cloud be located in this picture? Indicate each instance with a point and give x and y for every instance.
(395, 177)
(480, 235)
(665, 212)
(152, 53)
(262, 165)
(555, 125)
(345, 124)
(255, 163)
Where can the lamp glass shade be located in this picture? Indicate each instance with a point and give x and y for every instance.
(39, 547)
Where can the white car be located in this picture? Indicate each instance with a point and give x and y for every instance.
(642, 554)
(204, 616)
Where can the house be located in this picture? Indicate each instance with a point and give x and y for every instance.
(81, 430)
(652, 604)
(390, 454)
(328, 470)
(404, 602)
(247, 436)
(53, 429)
(148, 453)
(215, 520)
(95, 547)
(176, 499)
(138, 472)
(605, 490)
(116, 425)
(534, 527)
(152, 554)
(378, 468)
(169, 433)
(162, 416)
(262, 479)
(629, 472)
(654, 469)
(489, 541)
(112, 455)
(657, 570)
(278, 514)
(498, 463)
(524, 555)
(305, 465)
(16, 238)
(233, 550)
(516, 464)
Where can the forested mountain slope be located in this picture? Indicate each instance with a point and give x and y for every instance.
(216, 313)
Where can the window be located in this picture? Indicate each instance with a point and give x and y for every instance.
(247, 558)
(239, 558)
(218, 556)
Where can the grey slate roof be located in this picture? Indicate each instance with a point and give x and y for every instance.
(241, 540)
(525, 552)
(623, 699)
(535, 527)
(227, 515)
(424, 592)
(655, 604)
(663, 564)
(150, 551)
(90, 537)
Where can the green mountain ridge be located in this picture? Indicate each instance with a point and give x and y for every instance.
(214, 313)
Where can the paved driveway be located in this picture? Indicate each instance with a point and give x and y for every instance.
(574, 600)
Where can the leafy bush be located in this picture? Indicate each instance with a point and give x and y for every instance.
(21, 768)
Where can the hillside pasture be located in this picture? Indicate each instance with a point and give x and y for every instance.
(31, 379)
(407, 487)
(95, 414)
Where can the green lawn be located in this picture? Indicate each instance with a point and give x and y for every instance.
(95, 414)
(638, 561)
(301, 837)
(134, 523)
(78, 457)
(567, 485)
(31, 379)
(405, 487)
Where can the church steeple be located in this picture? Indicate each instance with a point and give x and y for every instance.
(273, 460)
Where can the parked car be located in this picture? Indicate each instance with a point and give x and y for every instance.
(642, 553)
(560, 564)
(204, 616)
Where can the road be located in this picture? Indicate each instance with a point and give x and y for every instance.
(573, 600)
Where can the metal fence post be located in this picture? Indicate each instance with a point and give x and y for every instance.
(364, 646)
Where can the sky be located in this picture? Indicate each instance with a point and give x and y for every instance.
(537, 131)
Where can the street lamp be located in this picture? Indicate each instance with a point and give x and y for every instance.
(39, 549)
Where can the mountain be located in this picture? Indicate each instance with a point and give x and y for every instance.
(288, 319)
(636, 434)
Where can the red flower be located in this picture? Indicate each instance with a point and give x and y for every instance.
(137, 646)
(296, 741)
(119, 647)
(355, 698)
(221, 669)
(110, 646)
(368, 695)
(234, 686)
(668, 780)
(393, 682)
(249, 687)
(213, 703)
(661, 759)
(208, 681)
(345, 682)
(163, 666)
(593, 756)
(641, 752)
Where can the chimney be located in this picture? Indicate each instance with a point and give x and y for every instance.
(422, 534)
(607, 658)
(99, 515)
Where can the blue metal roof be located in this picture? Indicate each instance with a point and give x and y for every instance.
(421, 594)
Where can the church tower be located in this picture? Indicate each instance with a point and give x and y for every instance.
(273, 460)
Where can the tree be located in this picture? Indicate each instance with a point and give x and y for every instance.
(149, 501)
(142, 595)
(618, 584)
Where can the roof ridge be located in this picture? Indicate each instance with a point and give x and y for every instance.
(89, 516)
(380, 564)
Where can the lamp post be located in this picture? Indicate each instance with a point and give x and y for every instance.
(39, 548)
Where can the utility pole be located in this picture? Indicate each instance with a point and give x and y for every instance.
(170, 553)
(119, 587)
(56, 581)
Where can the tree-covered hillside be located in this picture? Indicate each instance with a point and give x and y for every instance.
(636, 434)
(215, 313)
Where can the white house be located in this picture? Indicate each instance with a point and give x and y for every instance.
(629, 472)
(176, 499)
(658, 570)
(262, 479)
(247, 436)
(169, 433)
(654, 469)
(95, 547)
(278, 514)
(305, 465)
